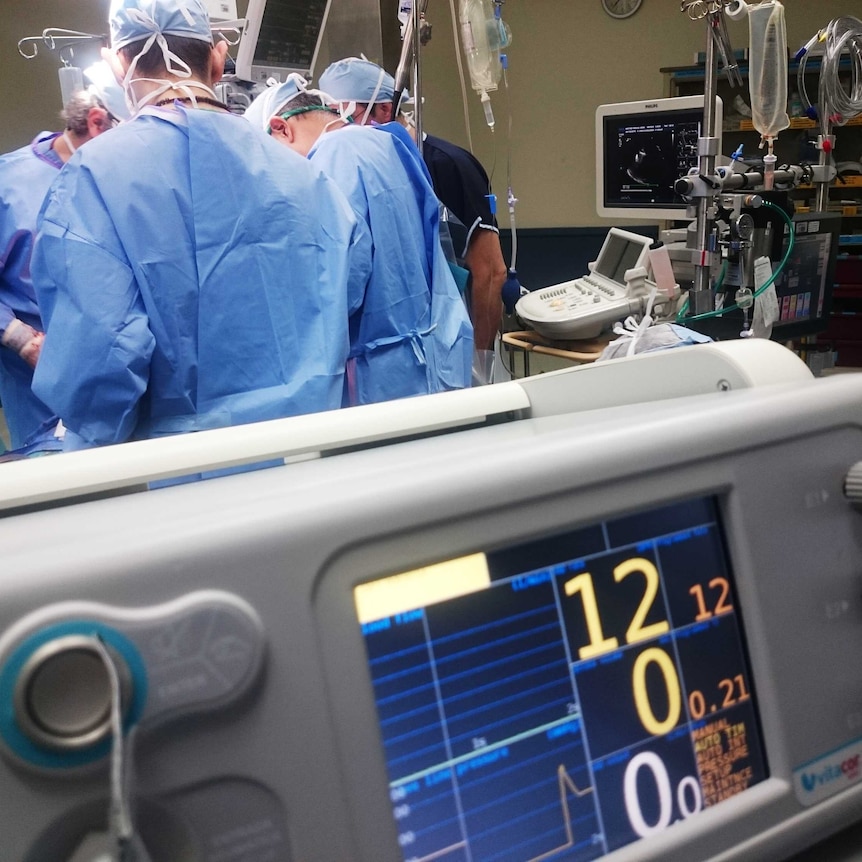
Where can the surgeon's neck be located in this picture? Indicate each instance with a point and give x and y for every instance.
(179, 89)
(67, 143)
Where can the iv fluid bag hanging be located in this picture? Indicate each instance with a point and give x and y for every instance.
(482, 36)
(768, 68)
(71, 82)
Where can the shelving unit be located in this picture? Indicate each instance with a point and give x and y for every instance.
(796, 145)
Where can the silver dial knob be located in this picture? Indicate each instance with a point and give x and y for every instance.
(853, 484)
(63, 694)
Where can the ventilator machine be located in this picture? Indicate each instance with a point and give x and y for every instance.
(603, 613)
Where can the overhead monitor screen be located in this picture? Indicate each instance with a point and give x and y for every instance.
(642, 149)
(282, 36)
(561, 699)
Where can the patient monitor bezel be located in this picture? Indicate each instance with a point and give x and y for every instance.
(754, 810)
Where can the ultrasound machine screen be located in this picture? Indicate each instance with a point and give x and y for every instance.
(617, 255)
(642, 148)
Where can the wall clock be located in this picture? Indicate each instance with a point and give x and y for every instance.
(621, 8)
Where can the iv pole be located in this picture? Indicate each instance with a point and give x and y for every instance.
(700, 297)
(410, 59)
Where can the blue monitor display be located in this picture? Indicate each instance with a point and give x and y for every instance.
(561, 699)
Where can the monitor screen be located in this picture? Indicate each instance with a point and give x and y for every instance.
(642, 148)
(621, 251)
(567, 696)
(804, 288)
(281, 36)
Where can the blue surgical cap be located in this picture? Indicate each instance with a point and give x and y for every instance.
(357, 80)
(133, 20)
(273, 99)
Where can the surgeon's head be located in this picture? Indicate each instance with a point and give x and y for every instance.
(364, 87)
(163, 46)
(84, 116)
(293, 114)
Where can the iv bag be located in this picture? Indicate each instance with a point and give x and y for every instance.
(768, 68)
(482, 35)
(405, 11)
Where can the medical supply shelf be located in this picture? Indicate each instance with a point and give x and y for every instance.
(845, 198)
(843, 336)
(795, 123)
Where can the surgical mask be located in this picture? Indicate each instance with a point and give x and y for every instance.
(332, 109)
(68, 140)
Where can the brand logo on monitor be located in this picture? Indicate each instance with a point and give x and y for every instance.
(651, 105)
(849, 769)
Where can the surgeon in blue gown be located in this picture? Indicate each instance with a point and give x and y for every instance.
(192, 273)
(26, 175)
(410, 333)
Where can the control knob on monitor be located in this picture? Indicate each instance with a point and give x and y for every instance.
(63, 694)
(853, 484)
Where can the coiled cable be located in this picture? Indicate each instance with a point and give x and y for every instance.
(837, 102)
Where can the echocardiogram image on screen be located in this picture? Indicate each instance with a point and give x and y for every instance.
(645, 154)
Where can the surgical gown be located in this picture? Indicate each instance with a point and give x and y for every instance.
(410, 330)
(192, 274)
(25, 177)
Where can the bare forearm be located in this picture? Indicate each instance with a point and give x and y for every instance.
(485, 261)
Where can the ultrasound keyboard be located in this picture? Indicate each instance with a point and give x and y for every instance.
(577, 309)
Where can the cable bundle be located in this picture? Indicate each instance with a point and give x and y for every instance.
(837, 104)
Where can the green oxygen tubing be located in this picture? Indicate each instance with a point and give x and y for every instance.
(680, 316)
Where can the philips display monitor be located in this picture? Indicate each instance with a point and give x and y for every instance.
(281, 36)
(804, 288)
(642, 148)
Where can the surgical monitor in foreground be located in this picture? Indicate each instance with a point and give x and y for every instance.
(555, 629)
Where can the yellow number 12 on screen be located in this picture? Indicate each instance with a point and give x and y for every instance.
(636, 631)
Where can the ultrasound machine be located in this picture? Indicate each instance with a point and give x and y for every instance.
(611, 612)
(643, 148)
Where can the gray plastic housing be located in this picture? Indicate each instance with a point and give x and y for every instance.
(294, 770)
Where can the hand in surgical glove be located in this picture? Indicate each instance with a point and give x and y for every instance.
(24, 340)
(483, 367)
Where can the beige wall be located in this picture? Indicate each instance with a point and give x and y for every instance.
(566, 58)
(31, 90)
